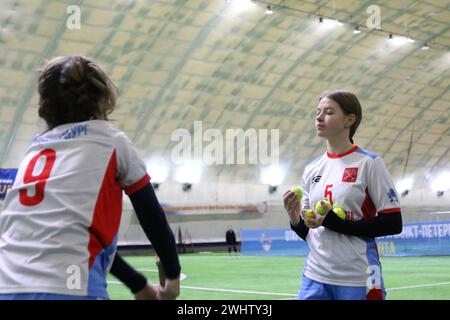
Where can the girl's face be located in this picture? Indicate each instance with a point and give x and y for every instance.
(331, 122)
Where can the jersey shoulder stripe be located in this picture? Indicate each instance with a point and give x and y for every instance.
(367, 153)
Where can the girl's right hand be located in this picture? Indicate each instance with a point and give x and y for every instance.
(169, 289)
(292, 206)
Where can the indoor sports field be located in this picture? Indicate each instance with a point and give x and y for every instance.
(272, 128)
(218, 276)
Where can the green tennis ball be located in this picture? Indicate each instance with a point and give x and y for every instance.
(298, 192)
(321, 210)
(340, 212)
(309, 213)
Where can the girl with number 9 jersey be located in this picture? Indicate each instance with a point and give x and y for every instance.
(59, 224)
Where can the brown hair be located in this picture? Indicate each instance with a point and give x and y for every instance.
(349, 104)
(74, 89)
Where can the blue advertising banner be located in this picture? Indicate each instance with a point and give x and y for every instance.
(418, 238)
(272, 242)
(7, 177)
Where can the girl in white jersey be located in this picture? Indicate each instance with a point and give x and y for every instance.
(59, 223)
(343, 262)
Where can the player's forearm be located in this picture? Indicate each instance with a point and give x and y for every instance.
(154, 223)
(381, 225)
(125, 273)
(300, 229)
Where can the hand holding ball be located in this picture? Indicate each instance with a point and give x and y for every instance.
(340, 212)
(309, 213)
(292, 204)
(322, 210)
(309, 218)
(298, 192)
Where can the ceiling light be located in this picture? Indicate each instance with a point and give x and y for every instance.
(397, 40)
(272, 175)
(189, 173)
(272, 189)
(187, 187)
(405, 185)
(441, 182)
(158, 171)
(356, 31)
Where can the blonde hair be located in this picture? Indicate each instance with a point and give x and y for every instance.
(74, 89)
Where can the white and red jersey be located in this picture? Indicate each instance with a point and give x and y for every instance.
(59, 223)
(358, 181)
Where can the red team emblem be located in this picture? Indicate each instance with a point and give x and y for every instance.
(350, 175)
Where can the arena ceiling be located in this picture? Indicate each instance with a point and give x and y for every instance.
(230, 65)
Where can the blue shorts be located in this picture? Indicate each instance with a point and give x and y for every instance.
(314, 290)
(44, 296)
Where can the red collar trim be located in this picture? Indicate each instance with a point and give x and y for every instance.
(336, 156)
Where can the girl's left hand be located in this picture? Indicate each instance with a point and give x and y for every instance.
(317, 220)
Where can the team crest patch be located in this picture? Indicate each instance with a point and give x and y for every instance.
(392, 195)
(350, 175)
